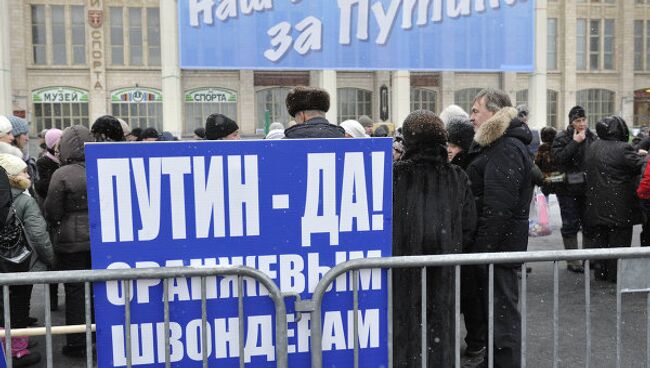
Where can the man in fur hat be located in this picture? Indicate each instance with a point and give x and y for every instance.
(307, 106)
(501, 175)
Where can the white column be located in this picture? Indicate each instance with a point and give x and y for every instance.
(326, 79)
(447, 90)
(171, 71)
(5, 61)
(568, 98)
(626, 61)
(537, 83)
(247, 120)
(401, 96)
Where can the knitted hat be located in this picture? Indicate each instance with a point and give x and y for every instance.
(422, 128)
(276, 126)
(12, 164)
(365, 121)
(461, 133)
(200, 132)
(20, 126)
(548, 134)
(354, 129)
(218, 126)
(381, 131)
(107, 129)
(275, 134)
(576, 113)
(5, 126)
(52, 137)
(307, 98)
(452, 112)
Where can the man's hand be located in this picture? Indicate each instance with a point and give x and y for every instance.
(579, 137)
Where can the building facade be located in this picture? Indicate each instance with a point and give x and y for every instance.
(71, 61)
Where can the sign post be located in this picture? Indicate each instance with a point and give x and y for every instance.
(292, 209)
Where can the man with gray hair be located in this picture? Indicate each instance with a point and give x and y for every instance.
(500, 175)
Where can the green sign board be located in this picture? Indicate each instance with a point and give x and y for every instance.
(210, 95)
(59, 95)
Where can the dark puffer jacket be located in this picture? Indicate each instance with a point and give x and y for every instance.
(569, 156)
(66, 206)
(501, 177)
(612, 167)
(434, 213)
(315, 128)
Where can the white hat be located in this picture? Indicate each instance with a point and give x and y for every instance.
(275, 134)
(5, 126)
(13, 165)
(354, 129)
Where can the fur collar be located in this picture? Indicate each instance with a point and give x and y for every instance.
(495, 127)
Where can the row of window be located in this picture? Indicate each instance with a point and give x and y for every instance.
(59, 35)
(595, 44)
(142, 107)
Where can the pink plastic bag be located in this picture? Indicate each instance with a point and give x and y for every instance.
(541, 226)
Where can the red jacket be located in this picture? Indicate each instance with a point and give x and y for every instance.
(643, 191)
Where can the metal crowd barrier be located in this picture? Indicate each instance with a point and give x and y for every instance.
(630, 268)
(89, 276)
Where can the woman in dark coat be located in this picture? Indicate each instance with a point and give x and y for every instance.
(66, 206)
(612, 167)
(434, 213)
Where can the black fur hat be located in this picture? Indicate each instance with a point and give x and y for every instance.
(218, 126)
(307, 98)
(107, 128)
(422, 128)
(576, 112)
(461, 133)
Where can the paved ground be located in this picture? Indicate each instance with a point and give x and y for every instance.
(572, 341)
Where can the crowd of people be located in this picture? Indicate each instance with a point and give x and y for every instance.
(463, 183)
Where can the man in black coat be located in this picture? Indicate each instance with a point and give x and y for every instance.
(568, 152)
(434, 213)
(501, 177)
(308, 105)
(612, 167)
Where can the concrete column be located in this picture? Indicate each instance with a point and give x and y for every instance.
(568, 95)
(326, 79)
(447, 89)
(401, 96)
(537, 82)
(96, 41)
(246, 118)
(508, 81)
(171, 71)
(5, 60)
(625, 60)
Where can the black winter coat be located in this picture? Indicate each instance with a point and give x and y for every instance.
(433, 212)
(46, 167)
(612, 167)
(569, 156)
(314, 128)
(501, 177)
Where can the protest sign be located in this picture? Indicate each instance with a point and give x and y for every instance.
(462, 35)
(291, 209)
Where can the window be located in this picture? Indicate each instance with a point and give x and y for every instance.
(551, 104)
(153, 35)
(270, 103)
(39, 35)
(599, 42)
(465, 98)
(66, 29)
(139, 107)
(58, 35)
(598, 103)
(641, 45)
(117, 36)
(135, 36)
(552, 44)
(352, 103)
(200, 103)
(424, 99)
(78, 35)
(60, 107)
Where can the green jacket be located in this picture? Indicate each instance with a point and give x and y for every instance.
(35, 229)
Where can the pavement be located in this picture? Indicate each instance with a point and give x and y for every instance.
(572, 342)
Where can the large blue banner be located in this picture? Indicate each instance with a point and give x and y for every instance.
(292, 209)
(462, 35)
